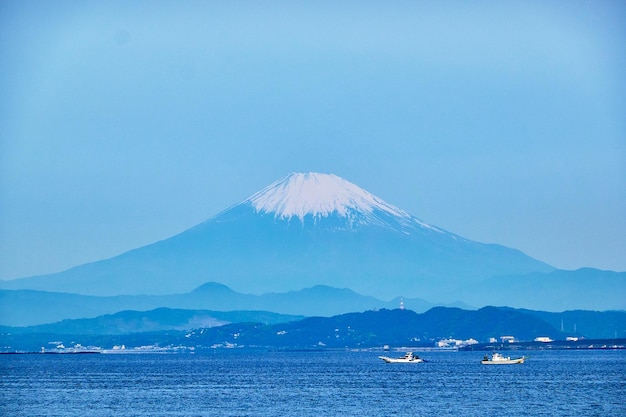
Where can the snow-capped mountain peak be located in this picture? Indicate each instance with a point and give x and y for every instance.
(301, 194)
(321, 195)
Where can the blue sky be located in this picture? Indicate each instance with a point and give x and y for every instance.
(124, 123)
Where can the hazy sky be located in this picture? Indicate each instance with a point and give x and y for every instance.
(123, 123)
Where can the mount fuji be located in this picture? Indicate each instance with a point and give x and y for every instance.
(304, 230)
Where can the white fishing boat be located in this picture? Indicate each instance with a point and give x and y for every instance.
(409, 357)
(498, 359)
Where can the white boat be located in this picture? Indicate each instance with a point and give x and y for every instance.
(407, 358)
(498, 359)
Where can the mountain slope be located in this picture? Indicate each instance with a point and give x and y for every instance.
(304, 230)
(125, 322)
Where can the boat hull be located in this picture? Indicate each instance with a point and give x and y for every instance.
(408, 358)
(503, 362)
(392, 360)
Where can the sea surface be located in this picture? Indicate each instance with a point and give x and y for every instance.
(322, 383)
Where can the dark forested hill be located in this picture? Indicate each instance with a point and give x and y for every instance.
(368, 329)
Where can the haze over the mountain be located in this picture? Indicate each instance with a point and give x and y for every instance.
(31, 307)
(303, 230)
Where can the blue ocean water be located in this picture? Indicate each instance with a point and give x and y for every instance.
(329, 383)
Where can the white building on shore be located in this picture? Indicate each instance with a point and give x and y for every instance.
(446, 343)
